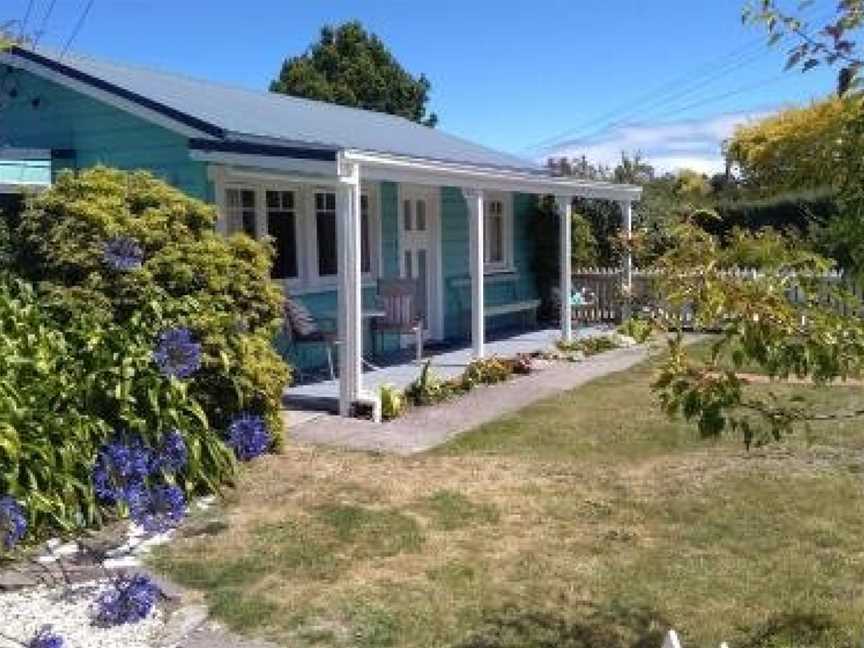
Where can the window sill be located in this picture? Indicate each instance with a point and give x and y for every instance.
(311, 288)
(499, 270)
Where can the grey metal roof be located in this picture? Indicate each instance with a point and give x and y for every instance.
(269, 117)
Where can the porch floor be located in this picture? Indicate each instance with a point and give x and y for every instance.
(400, 370)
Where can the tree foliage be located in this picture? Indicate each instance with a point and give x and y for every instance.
(351, 67)
(829, 44)
(811, 147)
(760, 329)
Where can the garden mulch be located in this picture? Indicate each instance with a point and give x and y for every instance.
(424, 428)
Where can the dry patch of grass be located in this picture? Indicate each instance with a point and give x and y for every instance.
(586, 520)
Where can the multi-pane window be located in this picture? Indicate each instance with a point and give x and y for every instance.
(325, 229)
(495, 253)
(301, 226)
(365, 236)
(282, 227)
(240, 205)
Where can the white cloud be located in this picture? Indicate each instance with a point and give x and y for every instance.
(668, 146)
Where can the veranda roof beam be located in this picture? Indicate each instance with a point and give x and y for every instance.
(381, 166)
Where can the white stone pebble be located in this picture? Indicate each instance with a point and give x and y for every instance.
(68, 611)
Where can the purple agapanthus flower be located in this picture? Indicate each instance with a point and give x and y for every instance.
(158, 509)
(121, 469)
(248, 436)
(46, 639)
(130, 599)
(123, 254)
(13, 524)
(172, 454)
(177, 354)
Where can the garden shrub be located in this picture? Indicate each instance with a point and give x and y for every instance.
(429, 389)
(486, 371)
(124, 315)
(74, 239)
(590, 346)
(68, 388)
(392, 402)
(637, 328)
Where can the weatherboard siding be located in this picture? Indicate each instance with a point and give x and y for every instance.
(101, 134)
(501, 288)
(97, 132)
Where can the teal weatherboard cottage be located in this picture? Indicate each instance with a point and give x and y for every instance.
(350, 198)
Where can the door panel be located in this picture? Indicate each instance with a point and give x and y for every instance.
(417, 242)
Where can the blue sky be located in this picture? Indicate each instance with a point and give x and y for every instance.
(668, 77)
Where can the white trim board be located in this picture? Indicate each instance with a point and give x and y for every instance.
(25, 154)
(415, 171)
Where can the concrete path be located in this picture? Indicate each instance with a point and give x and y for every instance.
(424, 428)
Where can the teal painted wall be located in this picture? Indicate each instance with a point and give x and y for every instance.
(500, 288)
(99, 134)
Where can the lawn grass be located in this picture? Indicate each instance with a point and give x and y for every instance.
(585, 520)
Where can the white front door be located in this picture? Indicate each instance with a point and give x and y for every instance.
(419, 251)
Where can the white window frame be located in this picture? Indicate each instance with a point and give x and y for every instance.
(506, 264)
(316, 281)
(298, 229)
(306, 235)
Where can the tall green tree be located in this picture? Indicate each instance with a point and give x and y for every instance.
(352, 67)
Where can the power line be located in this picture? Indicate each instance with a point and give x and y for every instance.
(651, 95)
(26, 18)
(687, 93)
(77, 29)
(729, 63)
(725, 95)
(44, 25)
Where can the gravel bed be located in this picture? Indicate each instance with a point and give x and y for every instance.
(68, 611)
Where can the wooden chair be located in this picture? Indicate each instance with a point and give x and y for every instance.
(301, 329)
(398, 300)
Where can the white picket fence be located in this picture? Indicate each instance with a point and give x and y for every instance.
(606, 303)
(671, 641)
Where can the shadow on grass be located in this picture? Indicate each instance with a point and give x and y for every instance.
(589, 626)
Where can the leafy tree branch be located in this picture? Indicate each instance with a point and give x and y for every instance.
(819, 338)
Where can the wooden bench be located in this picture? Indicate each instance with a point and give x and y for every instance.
(513, 303)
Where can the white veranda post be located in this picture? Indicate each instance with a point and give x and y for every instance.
(565, 213)
(627, 217)
(350, 296)
(474, 198)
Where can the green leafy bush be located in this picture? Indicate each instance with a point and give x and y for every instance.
(486, 371)
(392, 402)
(97, 269)
(637, 328)
(65, 389)
(189, 276)
(429, 389)
(590, 346)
